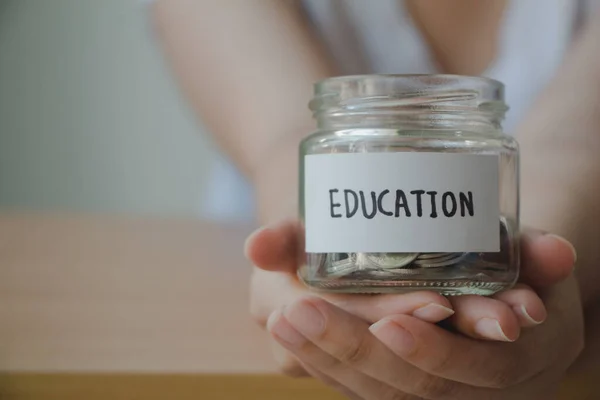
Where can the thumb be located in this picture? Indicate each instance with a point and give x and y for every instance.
(546, 259)
(276, 247)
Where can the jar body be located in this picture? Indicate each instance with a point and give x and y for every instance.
(452, 267)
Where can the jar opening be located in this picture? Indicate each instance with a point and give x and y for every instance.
(433, 100)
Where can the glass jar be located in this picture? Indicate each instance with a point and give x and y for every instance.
(409, 183)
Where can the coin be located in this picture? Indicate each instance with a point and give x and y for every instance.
(319, 260)
(337, 259)
(391, 260)
(442, 261)
(341, 264)
(432, 255)
(445, 257)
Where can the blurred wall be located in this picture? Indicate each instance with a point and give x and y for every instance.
(90, 119)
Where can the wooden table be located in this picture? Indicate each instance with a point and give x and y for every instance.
(121, 308)
(114, 307)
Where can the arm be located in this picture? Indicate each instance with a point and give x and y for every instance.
(560, 147)
(247, 67)
(560, 158)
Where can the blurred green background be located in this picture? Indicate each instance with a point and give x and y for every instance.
(90, 118)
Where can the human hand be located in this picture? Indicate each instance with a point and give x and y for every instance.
(403, 358)
(274, 285)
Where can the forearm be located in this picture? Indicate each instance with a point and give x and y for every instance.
(247, 67)
(560, 163)
(560, 168)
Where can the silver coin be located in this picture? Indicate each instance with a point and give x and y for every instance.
(443, 256)
(424, 256)
(341, 264)
(362, 261)
(434, 260)
(338, 259)
(321, 260)
(447, 257)
(443, 263)
(391, 260)
(318, 259)
(340, 272)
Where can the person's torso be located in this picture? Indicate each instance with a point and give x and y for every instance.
(365, 36)
(381, 37)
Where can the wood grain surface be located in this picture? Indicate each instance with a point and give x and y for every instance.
(115, 294)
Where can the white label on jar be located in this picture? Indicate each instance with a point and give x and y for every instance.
(401, 202)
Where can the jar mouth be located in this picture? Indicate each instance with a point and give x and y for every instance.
(399, 95)
(414, 78)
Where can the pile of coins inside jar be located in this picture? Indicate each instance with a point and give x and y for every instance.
(388, 264)
(398, 265)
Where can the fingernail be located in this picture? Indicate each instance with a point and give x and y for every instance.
(521, 310)
(433, 312)
(398, 339)
(566, 242)
(282, 330)
(250, 238)
(306, 318)
(491, 329)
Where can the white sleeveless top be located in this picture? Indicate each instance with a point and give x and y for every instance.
(366, 36)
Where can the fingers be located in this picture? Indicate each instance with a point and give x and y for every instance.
(501, 317)
(287, 363)
(458, 358)
(322, 364)
(271, 291)
(336, 342)
(275, 248)
(485, 318)
(427, 306)
(526, 304)
(545, 259)
(425, 360)
(332, 383)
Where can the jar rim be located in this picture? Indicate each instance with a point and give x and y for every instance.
(463, 78)
(430, 97)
